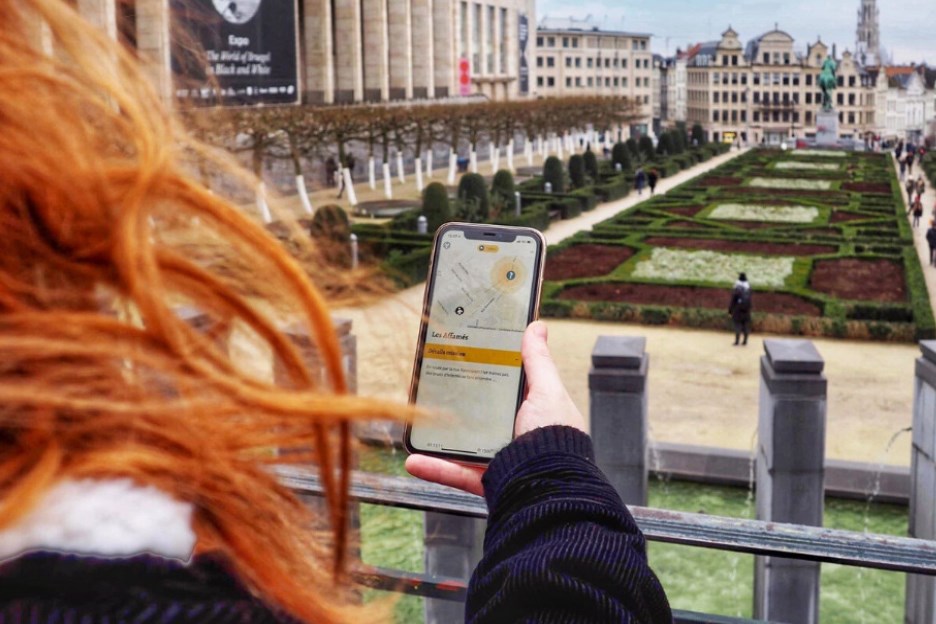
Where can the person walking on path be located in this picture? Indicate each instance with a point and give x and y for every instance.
(931, 241)
(909, 159)
(911, 187)
(740, 308)
(640, 180)
(917, 209)
(920, 187)
(903, 168)
(652, 178)
(331, 169)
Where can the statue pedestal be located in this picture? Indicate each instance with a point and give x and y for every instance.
(827, 126)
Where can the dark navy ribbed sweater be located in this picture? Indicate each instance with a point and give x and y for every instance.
(560, 545)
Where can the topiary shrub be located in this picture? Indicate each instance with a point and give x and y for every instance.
(631, 144)
(553, 173)
(330, 222)
(502, 192)
(577, 171)
(620, 154)
(698, 135)
(645, 145)
(665, 145)
(474, 202)
(435, 206)
(591, 164)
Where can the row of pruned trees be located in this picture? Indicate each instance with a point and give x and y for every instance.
(306, 133)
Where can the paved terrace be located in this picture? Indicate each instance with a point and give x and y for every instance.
(701, 389)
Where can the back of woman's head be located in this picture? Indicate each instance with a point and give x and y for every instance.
(104, 237)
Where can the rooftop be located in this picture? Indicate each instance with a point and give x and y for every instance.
(571, 24)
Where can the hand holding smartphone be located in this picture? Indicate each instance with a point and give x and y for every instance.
(483, 290)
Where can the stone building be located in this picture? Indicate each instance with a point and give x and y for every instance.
(906, 102)
(767, 92)
(673, 89)
(368, 50)
(577, 57)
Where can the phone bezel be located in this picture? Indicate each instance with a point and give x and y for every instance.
(473, 231)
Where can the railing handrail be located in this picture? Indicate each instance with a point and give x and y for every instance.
(866, 550)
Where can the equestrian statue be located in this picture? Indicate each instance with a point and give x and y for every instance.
(827, 82)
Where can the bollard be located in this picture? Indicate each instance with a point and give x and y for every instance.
(790, 473)
(354, 250)
(453, 549)
(517, 206)
(617, 388)
(548, 187)
(921, 590)
(422, 224)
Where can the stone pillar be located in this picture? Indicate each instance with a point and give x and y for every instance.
(400, 27)
(349, 74)
(319, 52)
(790, 473)
(453, 549)
(617, 385)
(376, 51)
(423, 39)
(153, 48)
(921, 590)
(101, 13)
(444, 47)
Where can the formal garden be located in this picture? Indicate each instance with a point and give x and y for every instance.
(821, 235)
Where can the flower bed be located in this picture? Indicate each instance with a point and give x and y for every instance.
(585, 261)
(680, 265)
(792, 164)
(823, 153)
(800, 184)
(754, 212)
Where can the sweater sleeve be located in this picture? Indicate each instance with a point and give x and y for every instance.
(560, 545)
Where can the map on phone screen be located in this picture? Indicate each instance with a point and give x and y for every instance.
(470, 374)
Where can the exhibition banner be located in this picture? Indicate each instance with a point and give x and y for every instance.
(235, 52)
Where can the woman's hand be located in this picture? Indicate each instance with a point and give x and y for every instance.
(546, 403)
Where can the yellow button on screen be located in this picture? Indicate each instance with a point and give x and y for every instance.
(458, 353)
(487, 248)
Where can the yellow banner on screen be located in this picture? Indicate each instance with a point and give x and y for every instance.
(474, 355)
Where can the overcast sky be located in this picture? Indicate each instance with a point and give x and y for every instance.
(908, 27)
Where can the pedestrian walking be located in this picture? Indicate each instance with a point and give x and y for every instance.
(903, 168)
(917, 209)
(740, 308)
(898, 151)
(331, 169)
(931, 241)
(652, 178)
(920, 187)
(911, 187)
(909, 159)
(640, 180)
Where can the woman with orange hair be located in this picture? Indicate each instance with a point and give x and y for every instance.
(134, 470)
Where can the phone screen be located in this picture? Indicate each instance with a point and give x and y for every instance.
(481, 299)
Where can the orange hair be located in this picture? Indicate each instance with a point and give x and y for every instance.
(97, 211)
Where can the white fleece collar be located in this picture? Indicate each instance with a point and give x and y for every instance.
(106, 518)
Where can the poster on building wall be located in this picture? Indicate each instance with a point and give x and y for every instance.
(523, 39)
(235, 52)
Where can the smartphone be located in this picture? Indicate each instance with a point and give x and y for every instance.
(483, 290)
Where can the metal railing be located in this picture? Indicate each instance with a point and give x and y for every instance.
(755, 537)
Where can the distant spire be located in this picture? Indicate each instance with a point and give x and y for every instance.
(868, 35)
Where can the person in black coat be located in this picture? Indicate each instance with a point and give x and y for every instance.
(740, 308)
(931, 241)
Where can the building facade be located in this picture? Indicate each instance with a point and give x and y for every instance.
(906, 102)
(575, 57)
(766, 92)
(368, 50)
(673, 91)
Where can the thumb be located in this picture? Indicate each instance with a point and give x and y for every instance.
(538, 363)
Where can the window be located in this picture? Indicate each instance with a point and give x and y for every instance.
(776, 58)
(851, 81)
(578, 61)
(565, 42)
(616, 61)
(578, 81)
(716, 95)
(568, 61)
(756, 116)
(643, 45)
(539, 81)
(795, 117)
(755, 78)
(734, 116)
(786, 79)
(744, 78)
(551, 42)
(776, 78)
(616, 81)
(550, 82)
(590, 62)
(724, 60)
(607, 62)
(724, 116)
(574, 42)
(607, 82)
(591, 82)
(757, 97)
(796, 98)
(634, 45)
(808, 117)
(840, 99)
(623, 82)
(539, 43)
(841, 81)
(786, 58)
(851, 99)
(734, 78)
(568, 82)
(851, 118)
(623, 63)
(550, 61)
(808, 80)
(744, 116)
(715, 116)
(646, 99)
(766, 58)
(539, 61)
(795, 80)
(734, 97)
(734, 60)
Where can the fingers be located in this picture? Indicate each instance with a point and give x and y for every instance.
(444, 472)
